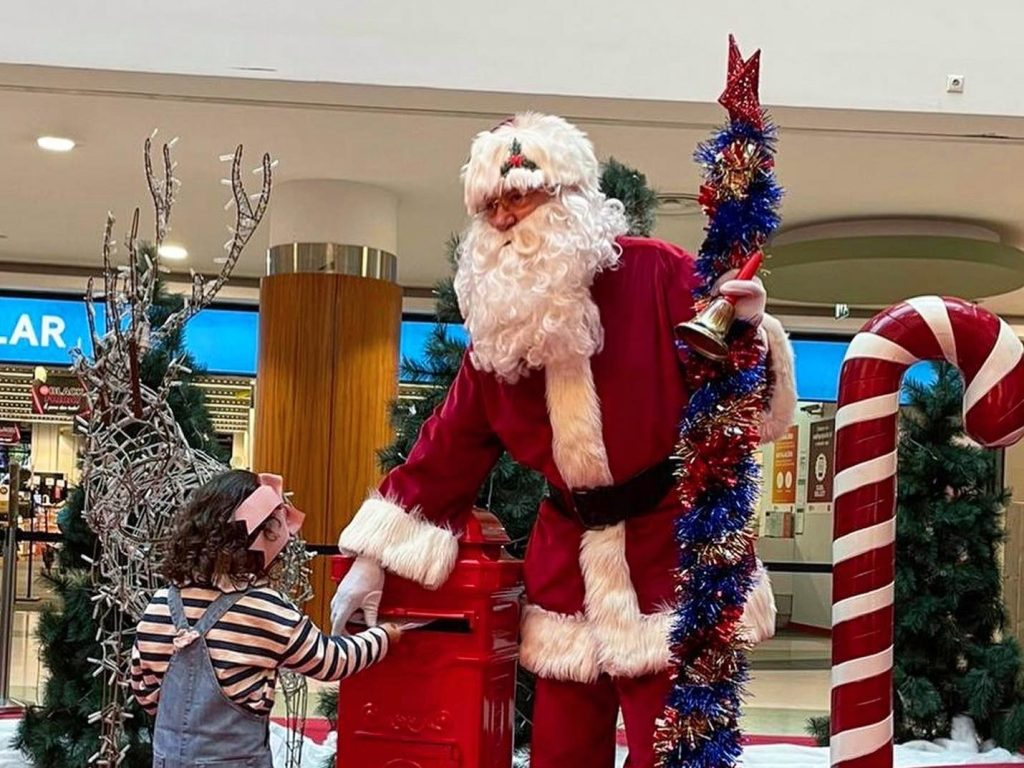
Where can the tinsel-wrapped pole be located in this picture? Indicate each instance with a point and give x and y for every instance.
(718, 475)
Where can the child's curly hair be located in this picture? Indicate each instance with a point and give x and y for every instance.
(206, 546)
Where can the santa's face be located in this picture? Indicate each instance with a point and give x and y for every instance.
(525, 270)
(511, 207)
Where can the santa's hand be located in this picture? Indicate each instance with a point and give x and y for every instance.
(749, 297)
(360, 590)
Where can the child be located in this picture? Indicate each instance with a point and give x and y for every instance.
(208, 648)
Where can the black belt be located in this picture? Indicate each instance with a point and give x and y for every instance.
(610, 505)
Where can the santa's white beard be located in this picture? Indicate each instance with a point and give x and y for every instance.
(525, 293)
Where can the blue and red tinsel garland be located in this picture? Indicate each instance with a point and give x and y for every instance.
(718, 475)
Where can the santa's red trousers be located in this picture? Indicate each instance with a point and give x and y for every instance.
(574, 724)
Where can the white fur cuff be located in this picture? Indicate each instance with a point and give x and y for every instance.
(403, 542)
(782, 404)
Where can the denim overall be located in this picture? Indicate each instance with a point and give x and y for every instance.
(196, 724)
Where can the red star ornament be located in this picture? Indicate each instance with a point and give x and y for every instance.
(740, 96)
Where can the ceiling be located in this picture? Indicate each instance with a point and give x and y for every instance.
(835, 165)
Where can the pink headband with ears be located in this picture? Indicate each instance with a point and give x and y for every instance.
(265, 502)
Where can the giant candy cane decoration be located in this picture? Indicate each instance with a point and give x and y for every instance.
(991, 359)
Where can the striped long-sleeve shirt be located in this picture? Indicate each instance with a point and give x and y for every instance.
(260, 633)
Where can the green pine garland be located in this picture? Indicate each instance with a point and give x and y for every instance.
(56, 733)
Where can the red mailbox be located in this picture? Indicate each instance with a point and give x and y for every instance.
(444, 697)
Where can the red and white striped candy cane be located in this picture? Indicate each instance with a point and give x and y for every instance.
(991, 359)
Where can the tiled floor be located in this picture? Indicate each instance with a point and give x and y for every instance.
(27, 671)
(789, 684)
(792, 650)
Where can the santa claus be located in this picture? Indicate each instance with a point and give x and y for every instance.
(573, 369)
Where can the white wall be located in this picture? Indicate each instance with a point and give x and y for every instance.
(870, 55)
(241, 453)
(55, 449)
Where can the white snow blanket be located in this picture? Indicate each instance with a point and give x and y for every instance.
(777, 756)
(789, 756)
(313, 755)
(920, 755)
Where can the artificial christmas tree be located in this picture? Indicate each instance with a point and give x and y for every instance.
(950, 656)
(630, 186)
(56, 733)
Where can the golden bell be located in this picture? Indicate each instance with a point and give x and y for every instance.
(707, 332)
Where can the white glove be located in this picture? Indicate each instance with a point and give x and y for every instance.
(758, 621)
(361, 589)
(750, 296)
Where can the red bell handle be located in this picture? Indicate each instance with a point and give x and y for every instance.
(747, 271)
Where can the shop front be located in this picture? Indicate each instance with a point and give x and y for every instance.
(795, 515)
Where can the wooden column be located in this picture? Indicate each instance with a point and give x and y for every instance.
(328, 370)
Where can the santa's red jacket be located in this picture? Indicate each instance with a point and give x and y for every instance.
(598, 600)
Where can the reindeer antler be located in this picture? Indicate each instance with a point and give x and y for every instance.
(161, 190)
(247, 219)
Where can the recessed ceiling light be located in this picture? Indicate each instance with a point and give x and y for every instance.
(55, 143)
(220, 260)
(677, 204)
(172, 252)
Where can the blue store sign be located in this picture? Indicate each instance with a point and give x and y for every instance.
(43, 331)
(819, 363)
(225, 340)
(37, 331)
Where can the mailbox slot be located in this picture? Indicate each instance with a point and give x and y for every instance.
(450, 622)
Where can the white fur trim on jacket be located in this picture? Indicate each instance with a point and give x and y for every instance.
(577, 434)
(758, 621)
(782, 403)
(403, 542)
(611, 636)
(630, 644)
(562, 153)
(558, 646)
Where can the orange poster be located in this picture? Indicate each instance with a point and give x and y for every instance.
(784, 468)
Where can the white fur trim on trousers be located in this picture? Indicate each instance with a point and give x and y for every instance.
(611, 636)
(403, 542)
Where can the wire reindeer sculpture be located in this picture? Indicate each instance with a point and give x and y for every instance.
(138, 468)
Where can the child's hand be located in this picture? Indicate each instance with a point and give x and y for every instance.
(394, 631)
